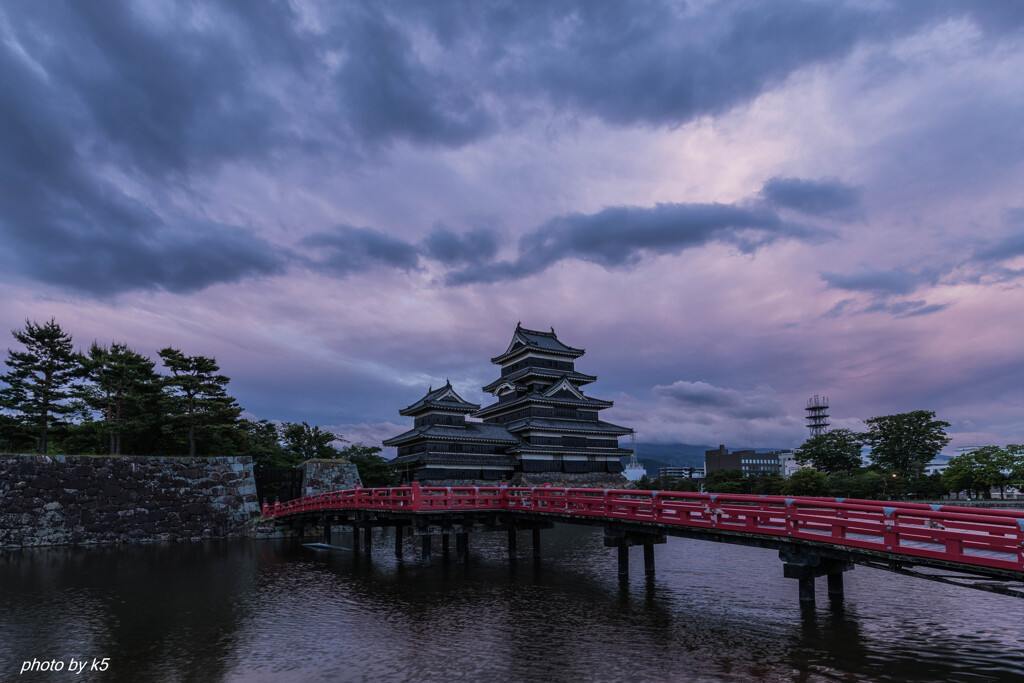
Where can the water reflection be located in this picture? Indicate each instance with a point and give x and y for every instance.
(271, 611)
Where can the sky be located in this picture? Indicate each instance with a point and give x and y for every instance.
(732, 206)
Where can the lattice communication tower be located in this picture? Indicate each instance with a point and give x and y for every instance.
(817, 415)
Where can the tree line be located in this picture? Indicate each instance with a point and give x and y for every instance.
(900, 447)
(113, 400)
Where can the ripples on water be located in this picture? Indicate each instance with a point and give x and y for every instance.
(271, 611)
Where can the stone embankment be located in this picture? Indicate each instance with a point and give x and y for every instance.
(60, 500)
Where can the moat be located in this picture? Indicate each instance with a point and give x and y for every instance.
(273, 611)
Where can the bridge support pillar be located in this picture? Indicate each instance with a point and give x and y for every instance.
(327, 531)
(425, 544)
(461, 547)
(355, 539)
(367, 540)
(536, 542)
(398, 541)
(649, 559)
(512, 550)
(623, 560)
(444, 545)
(806, 566)
(835, 585)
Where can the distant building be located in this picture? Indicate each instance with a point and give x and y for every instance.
(788, 464)
(678, 473)
(542, 428)
(749, 462)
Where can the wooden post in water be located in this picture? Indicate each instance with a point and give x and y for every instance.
(536, 543)
(327, 531)
(425, 544)
(835, 585)
(355, 539)
(461, 547)
(623, 560)
(512, 551)
(649, 559)
(367, 540)
(398, 541)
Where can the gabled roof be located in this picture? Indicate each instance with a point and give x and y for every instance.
(564, 385)
(443, 398)
(524, 340)
(471, 431)
(586, 402)
(566, 425)
(578, 378)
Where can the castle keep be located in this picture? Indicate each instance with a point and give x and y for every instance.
(542, 427)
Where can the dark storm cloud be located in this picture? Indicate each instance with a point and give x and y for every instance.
(388, 93)
(169, 94)
(448, 247)
(828, 197)
(875, 281)
(346, 250)
(759, 403)
(64, 224)
(1011, 245)
(621, 236)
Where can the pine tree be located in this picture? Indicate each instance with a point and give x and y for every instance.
(40, 381)
(196, 396)
(123, 386)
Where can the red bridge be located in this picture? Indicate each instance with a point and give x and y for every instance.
(972, 547)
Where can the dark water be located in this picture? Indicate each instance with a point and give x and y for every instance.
(271, 611)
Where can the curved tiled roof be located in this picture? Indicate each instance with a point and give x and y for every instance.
(534, 340)
(472, 431)
(443, 398)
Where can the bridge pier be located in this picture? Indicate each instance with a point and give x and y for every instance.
(623, 540)
(355, 539)
(444, 545)
(425, 544)
(461, 547)
(367, 540)
(805, 566)
(327, 530)
(512, 540)
(649, 559)
(536, 542)
(398, 541)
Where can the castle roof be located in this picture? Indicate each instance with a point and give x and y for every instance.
(578, 378)
(524, 341)
(444, 398)
(471, 431)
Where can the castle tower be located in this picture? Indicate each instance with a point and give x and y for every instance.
(540, 401)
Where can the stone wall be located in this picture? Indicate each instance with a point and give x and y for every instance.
(59, 500)
(324, 476)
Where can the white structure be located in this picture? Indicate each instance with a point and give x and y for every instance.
(634, 470)
(788, 464)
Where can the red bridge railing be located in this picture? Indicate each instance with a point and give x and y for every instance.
(982, 537)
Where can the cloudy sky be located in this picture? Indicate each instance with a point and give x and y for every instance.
(731, 205)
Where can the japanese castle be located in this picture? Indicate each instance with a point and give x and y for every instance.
(541, 429)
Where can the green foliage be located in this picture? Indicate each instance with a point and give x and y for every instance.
(734, 481)
(197, 400)
(981, 469)
(40, 380)
(124, 389)
(302, 442)
(261, 441)
(831, 452)
(373, 469)
(807, 482)
(905, 442)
